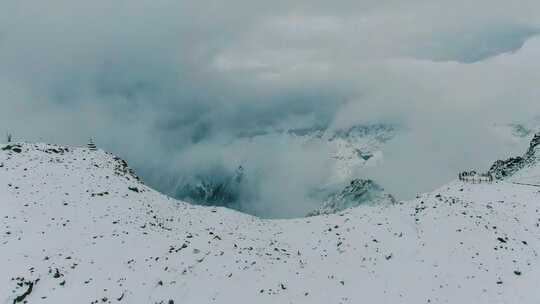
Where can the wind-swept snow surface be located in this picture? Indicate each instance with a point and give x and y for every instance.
(77, 226)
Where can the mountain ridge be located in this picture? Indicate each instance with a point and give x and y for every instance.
(74, 229)
(350, 150)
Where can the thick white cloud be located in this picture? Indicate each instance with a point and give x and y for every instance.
(158, 80)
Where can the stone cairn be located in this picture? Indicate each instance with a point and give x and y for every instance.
(91, 145)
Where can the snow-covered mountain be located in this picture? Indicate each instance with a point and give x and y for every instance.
(504, 169)
(217, 190)
(78, 227)
(349, 150)
(358, 192)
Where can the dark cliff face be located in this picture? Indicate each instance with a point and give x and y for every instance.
(502, 169)
(223, 191)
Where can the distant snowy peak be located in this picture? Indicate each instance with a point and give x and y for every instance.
(377, 132)
(351, 149)
(519, 131)
(359, 147)
(358, 192)
(503, 169)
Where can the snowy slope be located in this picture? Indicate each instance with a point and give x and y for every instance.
(78, 227)
(527, 176)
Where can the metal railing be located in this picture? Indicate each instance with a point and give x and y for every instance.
(475, 178)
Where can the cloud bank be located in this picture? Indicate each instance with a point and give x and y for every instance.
(175, 86)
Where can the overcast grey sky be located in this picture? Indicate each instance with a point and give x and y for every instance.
(174, 82)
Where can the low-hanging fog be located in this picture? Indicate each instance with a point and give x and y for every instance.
(184, 88)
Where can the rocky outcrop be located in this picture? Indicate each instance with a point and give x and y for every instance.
(122, 168)
(502, 169)
(533, 153)
(15, 148)
(381, 132)
(358, 192)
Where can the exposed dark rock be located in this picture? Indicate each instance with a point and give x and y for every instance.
(502, 169)
(122, 168)
(15, 148)
(121, 297)
(26, 293)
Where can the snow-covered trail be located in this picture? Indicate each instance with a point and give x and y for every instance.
(80, 228)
